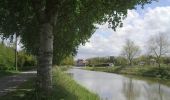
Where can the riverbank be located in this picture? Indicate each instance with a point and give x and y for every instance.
(64, 88)
(146, 71)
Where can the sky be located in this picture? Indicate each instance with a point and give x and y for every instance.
(139, 26)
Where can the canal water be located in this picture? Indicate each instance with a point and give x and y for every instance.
(118, 87)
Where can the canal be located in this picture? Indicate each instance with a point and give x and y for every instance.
(111, 86)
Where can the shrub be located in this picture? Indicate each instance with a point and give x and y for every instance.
(7, 55)
(26, 61)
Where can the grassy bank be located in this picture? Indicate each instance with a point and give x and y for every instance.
(148, 71)
(64, 88)
(68, 89)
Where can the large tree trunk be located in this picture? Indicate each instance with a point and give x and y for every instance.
(44, 71)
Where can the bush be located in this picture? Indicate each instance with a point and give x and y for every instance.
(7, 55)
(7, 59)
(26, 61)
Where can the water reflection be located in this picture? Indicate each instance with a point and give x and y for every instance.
(130, 91)
(117, 87)
(133, 90)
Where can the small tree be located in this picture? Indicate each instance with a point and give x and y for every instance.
(158, 46)
(130, 50)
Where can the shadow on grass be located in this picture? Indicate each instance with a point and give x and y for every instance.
(60, 93)
(64, 88)
(21, 93)
(7, 73)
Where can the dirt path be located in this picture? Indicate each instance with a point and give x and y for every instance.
(10, 83)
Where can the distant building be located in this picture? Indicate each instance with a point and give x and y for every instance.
(81, 63)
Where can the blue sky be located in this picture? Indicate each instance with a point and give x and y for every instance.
(139, 25)
(160, 3)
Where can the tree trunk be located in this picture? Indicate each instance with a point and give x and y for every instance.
(159, 64)
(44, 71)
(16, 66)
(130, 62)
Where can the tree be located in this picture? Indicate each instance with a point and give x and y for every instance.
(62, 24)
(158, 46)
(130, 50)
(68, 61)
(120, 61)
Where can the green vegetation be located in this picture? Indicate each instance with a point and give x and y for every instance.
(6, 58)
(68, 61)
(64, 88)
(26, 61)
(148, 71)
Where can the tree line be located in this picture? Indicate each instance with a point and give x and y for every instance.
(7, 59)
(157, 51)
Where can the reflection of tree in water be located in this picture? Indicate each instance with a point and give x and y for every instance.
(130, 90)
(154, 92)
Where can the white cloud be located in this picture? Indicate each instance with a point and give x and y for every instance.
(138, 28)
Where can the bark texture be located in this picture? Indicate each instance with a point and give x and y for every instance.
(44, 71)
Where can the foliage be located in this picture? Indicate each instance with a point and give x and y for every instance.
(26, 61)
(23, 18)
(6, 58)
(120, 61)
(68, 61)
(166, 60)
(64, 68)
(100, 60)
(7, 54)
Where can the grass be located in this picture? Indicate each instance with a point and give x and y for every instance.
(69, 89)
(148, 71)
(64, 88)
(7, 73)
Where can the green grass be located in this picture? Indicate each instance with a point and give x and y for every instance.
(69, 89)
(64, 88)
(64, 68)
(148, 71)
(7, 73)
